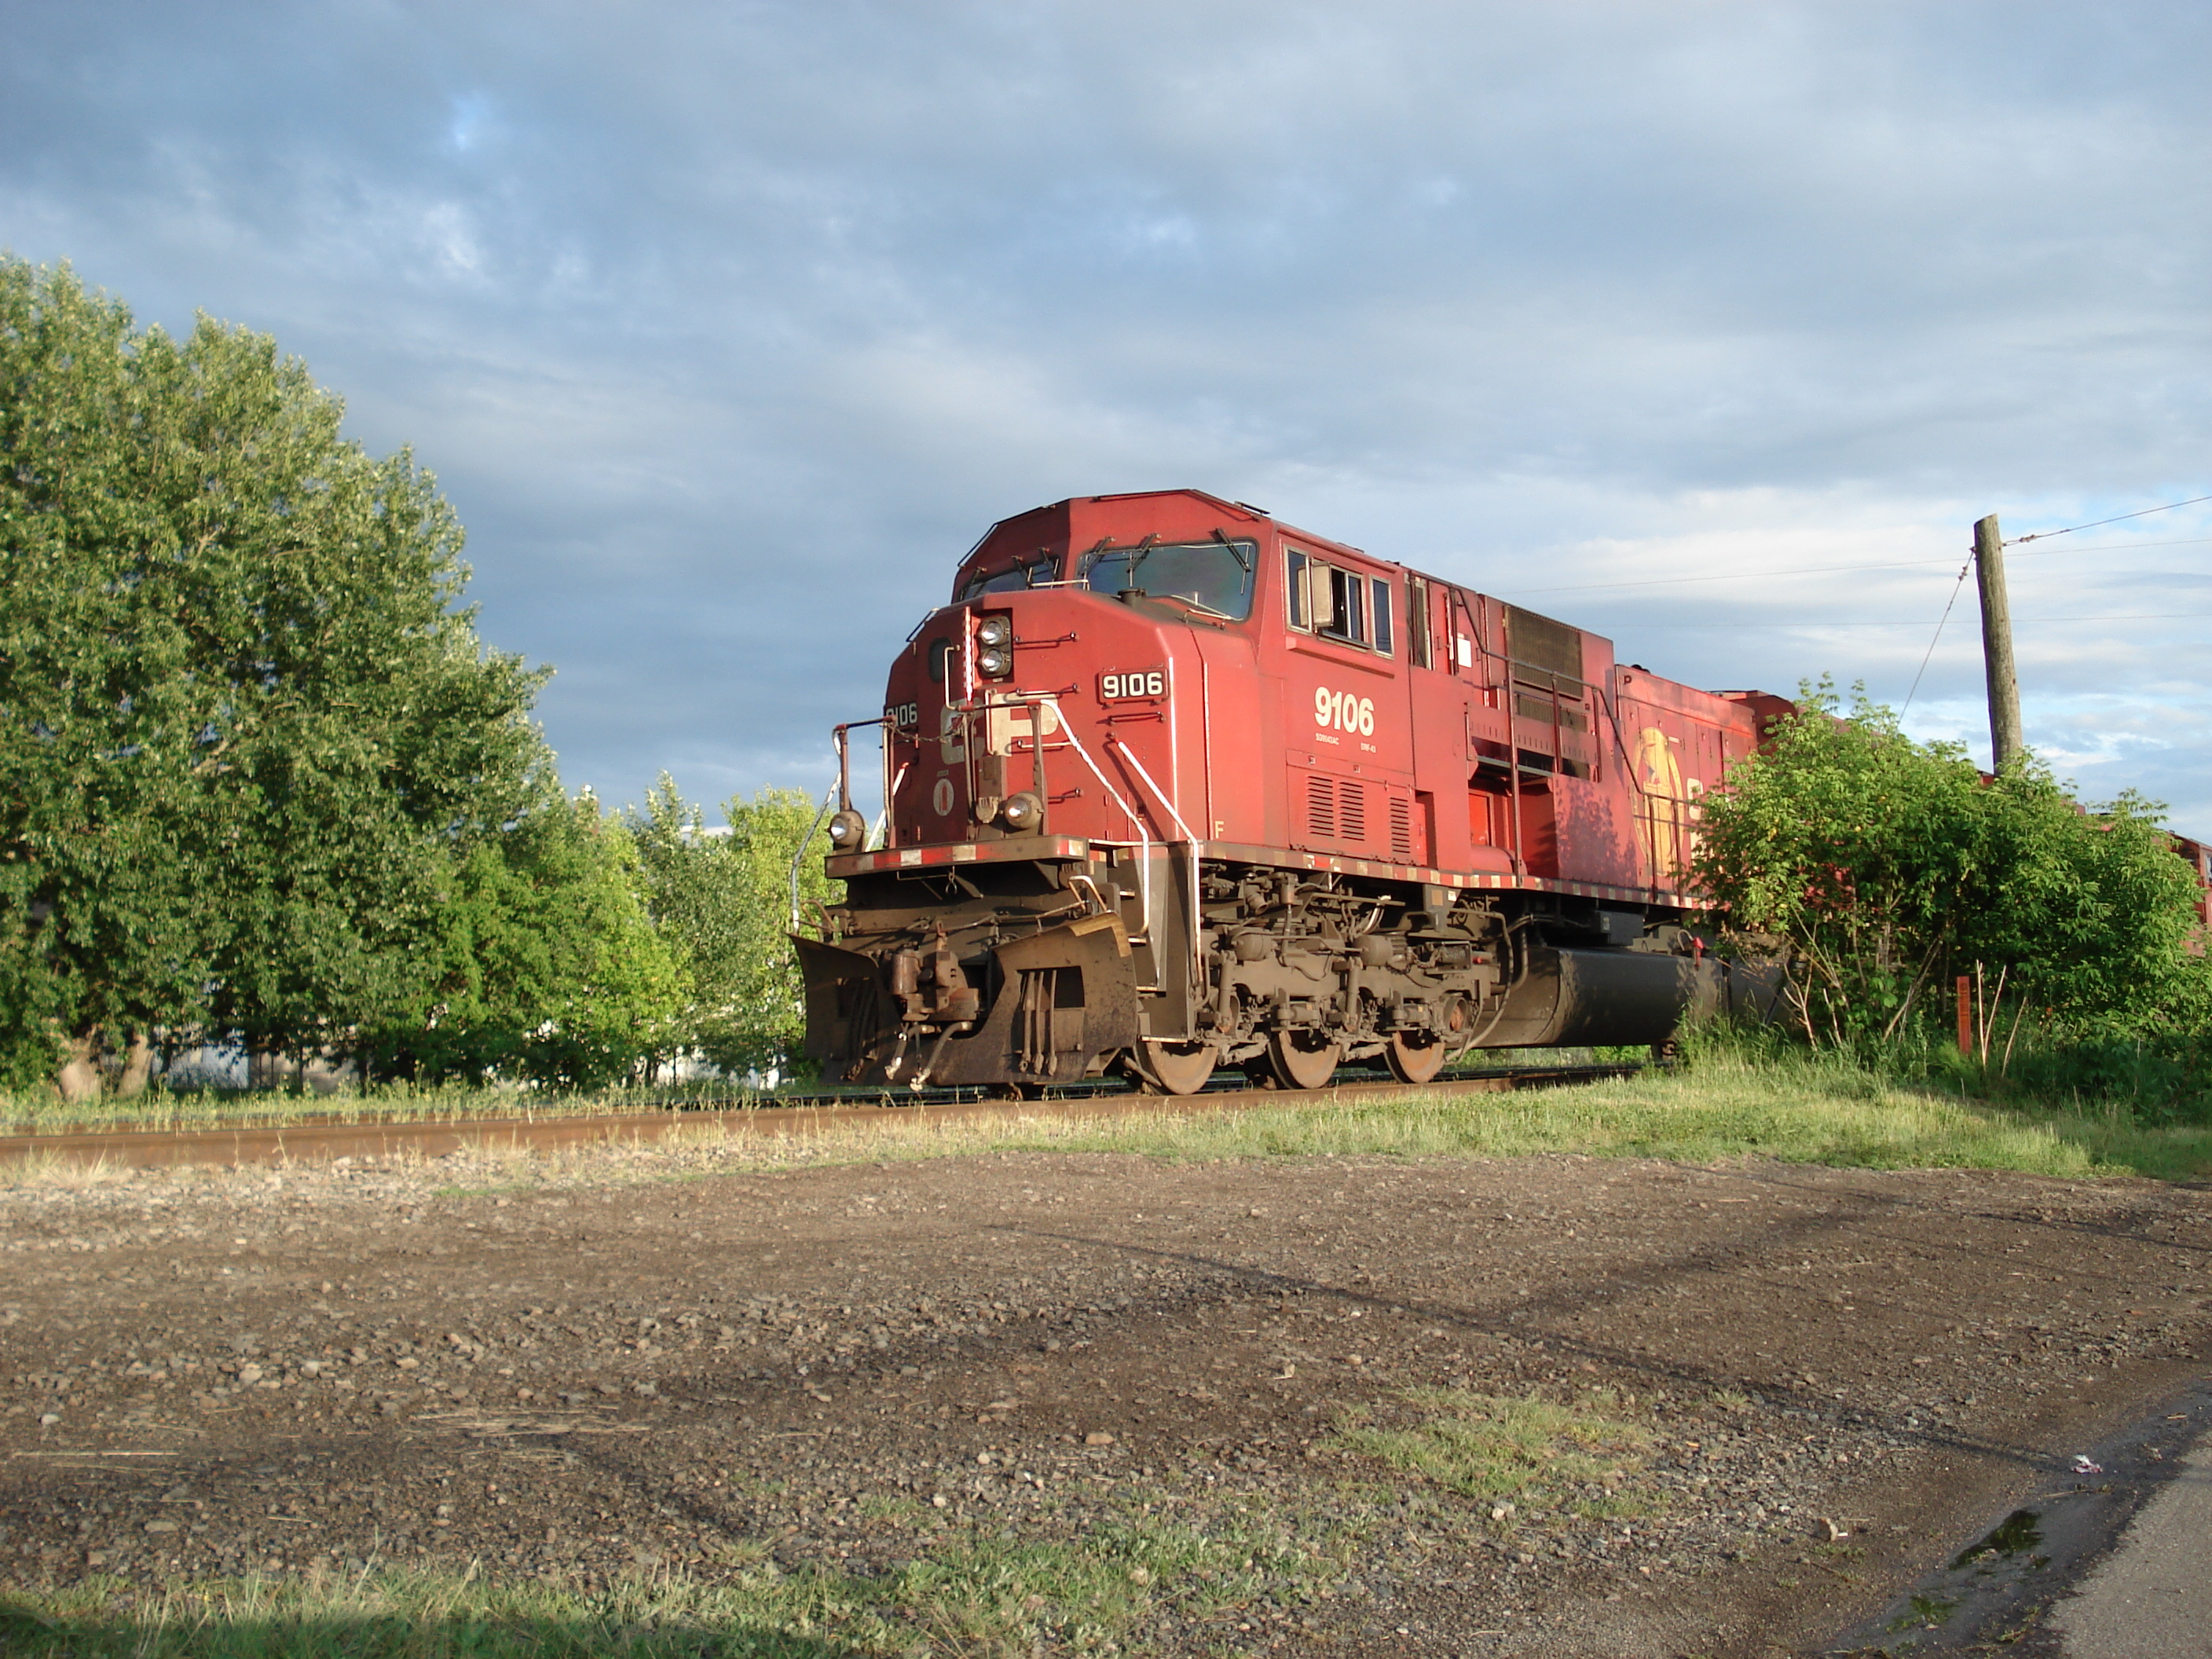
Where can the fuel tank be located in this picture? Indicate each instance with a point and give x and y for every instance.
(1567, 996)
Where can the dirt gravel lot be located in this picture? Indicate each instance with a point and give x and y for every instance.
(1809, 1384)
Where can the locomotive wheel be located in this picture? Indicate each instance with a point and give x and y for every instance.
(1414, 1060)
(1302, 1059)
(1174, 1068)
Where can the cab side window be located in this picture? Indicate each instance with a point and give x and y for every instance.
(1340, 611)
(1337, 604)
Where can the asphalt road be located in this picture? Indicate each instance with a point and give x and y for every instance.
(2152, 1597)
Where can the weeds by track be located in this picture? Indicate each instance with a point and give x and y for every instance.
(324, 1138)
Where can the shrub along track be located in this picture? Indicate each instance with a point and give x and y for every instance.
(792, 1114)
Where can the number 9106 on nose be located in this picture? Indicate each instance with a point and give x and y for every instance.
(1140, 683)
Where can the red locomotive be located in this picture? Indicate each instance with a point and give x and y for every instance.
(1169, 785)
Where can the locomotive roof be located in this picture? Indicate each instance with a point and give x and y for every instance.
(1080, 521)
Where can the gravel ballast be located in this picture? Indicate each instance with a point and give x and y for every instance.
(669, 1359)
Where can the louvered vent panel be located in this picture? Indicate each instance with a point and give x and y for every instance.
(1352, 812)
(1321, 808)
(1402, 829)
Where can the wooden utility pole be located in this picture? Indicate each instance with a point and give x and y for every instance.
(1997, 643)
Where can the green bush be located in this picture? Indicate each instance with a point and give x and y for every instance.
(1884, 867)
(244, 718)
(723, 902)
(542, 963)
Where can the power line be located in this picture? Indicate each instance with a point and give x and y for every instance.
(1733, 576)
(2042, 534)
(1834, 569)
(1652, 626)
(2111, 547)
(2114, 547)
(1956, 588)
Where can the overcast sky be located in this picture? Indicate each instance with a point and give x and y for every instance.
(727, 327)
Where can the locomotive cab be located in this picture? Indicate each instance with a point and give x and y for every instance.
(1167, 785)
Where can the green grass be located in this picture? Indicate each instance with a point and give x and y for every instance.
(980, 1596)
(1496, 1447)
(39, 1111)
(1806, 1111)
(1724, 1104)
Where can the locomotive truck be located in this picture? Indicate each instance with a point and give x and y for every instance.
(1170, 786)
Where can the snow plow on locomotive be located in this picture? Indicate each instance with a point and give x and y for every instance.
(1170, 786)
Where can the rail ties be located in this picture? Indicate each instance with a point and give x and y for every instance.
(799, 1114)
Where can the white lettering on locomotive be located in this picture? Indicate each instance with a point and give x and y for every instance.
(1344, 711)
(903, 716)
(1012, 727)
(1140, 683)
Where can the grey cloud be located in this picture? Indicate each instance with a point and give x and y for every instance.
(728, 327)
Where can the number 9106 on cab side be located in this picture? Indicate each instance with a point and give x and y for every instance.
(1170, 786)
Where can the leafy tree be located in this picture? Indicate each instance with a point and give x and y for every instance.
(542, 962)
(242, 724)
(724, 903)
(1886, 866)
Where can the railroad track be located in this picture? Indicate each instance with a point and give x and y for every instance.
(800, 1114)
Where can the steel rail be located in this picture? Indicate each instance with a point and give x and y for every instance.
(312, 1141)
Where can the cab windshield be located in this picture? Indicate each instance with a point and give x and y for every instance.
(1212, 576)
(1005, 580)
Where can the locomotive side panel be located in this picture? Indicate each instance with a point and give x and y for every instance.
(1679, 745)
(1514, 722)
(1347, 737)
(1469, 812)
(1235, 701)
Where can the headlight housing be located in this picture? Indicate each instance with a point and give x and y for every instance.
(848, 831)
(1023, 813)
(995, 646)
